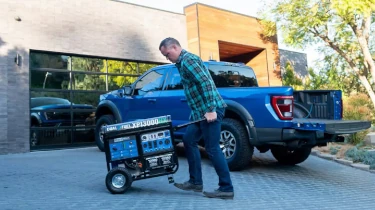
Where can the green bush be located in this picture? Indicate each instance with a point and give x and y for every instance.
(334, 150)
(357, 107)
(361, 156)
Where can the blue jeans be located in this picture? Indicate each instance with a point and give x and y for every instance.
(211, 135)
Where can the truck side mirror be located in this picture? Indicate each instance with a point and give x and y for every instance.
(128, 90)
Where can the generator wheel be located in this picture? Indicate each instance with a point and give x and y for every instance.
(118, 180)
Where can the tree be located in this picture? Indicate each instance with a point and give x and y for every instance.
(290, 79)
(131, 71)
(343, 26)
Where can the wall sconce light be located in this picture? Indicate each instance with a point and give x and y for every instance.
(17, 18)
(17, 59)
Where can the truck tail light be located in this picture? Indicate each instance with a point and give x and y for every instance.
(283, 106)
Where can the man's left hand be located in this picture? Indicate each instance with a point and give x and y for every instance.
(210, 116)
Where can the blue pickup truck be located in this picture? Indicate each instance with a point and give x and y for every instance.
(286, 122)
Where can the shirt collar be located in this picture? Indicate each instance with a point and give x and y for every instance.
(183, 52)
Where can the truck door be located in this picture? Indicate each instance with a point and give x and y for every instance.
(172, 99)
(145, 100)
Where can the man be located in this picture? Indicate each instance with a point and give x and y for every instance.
(207, 105)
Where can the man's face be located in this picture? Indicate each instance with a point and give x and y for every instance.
(171, 52)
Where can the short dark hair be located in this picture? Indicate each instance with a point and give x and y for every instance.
(168, 41)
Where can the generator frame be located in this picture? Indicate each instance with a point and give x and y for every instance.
(132, 162)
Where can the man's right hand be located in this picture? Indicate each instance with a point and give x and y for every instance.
(210, 116)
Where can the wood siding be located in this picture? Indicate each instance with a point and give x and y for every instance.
(206, 26)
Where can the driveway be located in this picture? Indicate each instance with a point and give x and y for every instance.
(74, 179)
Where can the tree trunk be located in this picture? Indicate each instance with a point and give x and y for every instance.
(367, 56)
(368, 88)
(351, 63)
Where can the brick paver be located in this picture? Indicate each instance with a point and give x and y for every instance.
(74, 179)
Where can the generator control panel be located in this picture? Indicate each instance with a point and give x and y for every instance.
(156, 142)
(123, 147)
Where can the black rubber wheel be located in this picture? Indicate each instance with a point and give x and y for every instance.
(34, 138)
(235, 144)
(290, 156)
(118, 180)
(103, 120)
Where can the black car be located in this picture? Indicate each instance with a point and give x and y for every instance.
(57, 112)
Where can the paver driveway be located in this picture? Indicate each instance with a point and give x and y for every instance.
(74, 179)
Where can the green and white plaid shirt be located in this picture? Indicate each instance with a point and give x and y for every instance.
(200, 90)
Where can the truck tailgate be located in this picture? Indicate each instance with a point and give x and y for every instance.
(331, 126)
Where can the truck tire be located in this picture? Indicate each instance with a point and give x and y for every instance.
(234, 143)
(287, 156)
(103, 120)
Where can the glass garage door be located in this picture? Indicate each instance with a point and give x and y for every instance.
(64, 93)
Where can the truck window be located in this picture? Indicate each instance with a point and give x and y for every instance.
(152, 81)
(233, 76)
(174, 80)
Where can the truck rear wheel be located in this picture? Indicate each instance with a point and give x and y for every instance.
(234, 143)
(288, 156)
(103, 120)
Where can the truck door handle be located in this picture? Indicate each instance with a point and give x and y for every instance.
(183, 99)
(152, 100)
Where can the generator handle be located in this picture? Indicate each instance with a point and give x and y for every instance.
(187, 124)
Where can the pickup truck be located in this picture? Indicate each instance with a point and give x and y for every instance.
(286, 122)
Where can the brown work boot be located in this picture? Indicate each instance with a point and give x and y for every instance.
(189, 186)
(219, 194)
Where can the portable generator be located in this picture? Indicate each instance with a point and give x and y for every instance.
(138, 150)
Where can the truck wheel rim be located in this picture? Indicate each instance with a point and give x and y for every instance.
(118, 180)
(34, 138)
(227, 143)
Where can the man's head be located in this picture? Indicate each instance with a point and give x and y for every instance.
(170, 48)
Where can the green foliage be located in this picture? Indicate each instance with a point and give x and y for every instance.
(337, 25)
(333, 75)
(290, 79)
(132, 70)
(361, 156)
(315, 80)
(357, 107)
(301, 21)
(333, 150)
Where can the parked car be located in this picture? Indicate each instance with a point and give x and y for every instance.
(287, 122)
(57, 112)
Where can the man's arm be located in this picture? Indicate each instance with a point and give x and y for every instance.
(200, 77)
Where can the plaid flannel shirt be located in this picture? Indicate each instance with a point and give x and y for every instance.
(200, 90)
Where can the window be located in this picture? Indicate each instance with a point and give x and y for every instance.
(174, 80)
(50, 80)
(53, 61)
(233, 76)
(88, 64)
(152, 81)
(89, 82)
(65, 90)
(143, 67)
(116, 82)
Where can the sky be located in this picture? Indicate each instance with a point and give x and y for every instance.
(248, 7)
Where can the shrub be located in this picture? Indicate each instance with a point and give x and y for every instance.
(357, 107)
(334, 150)
(361, 156)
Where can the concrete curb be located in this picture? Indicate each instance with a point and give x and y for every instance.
(360, 166)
